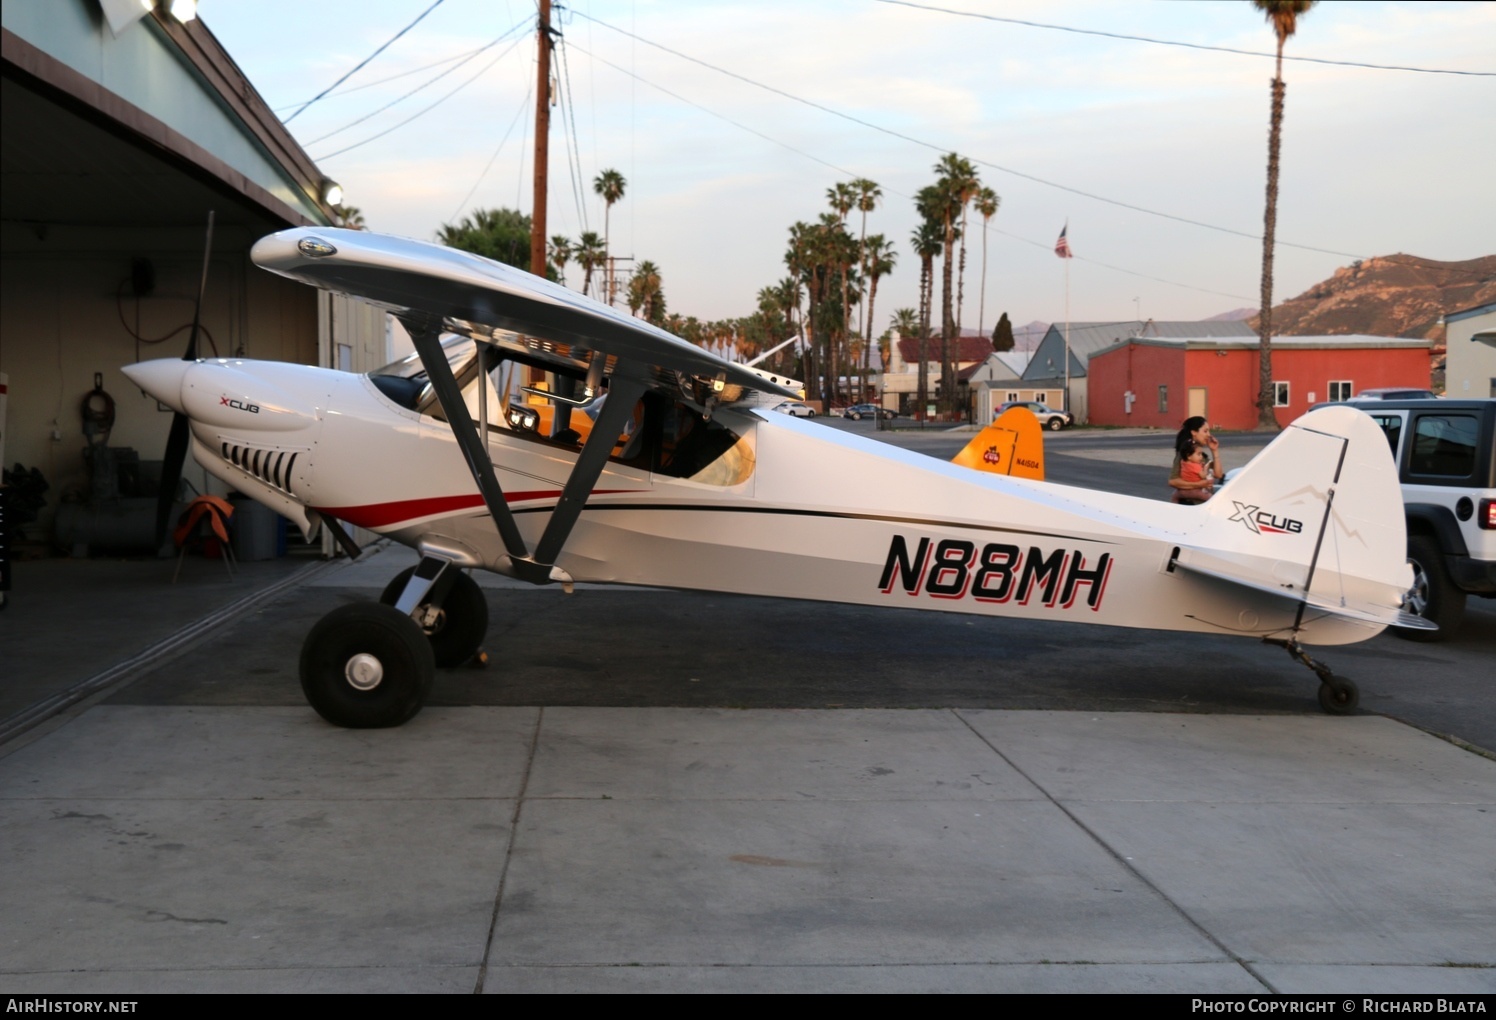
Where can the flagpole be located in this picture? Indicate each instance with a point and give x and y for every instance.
(1067, 324)
(1062, 249)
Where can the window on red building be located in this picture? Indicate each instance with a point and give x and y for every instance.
(1280, 394)
(1340, 390)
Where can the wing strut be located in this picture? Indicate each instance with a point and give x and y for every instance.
(427, 340)
(623, 394)
(616, 413)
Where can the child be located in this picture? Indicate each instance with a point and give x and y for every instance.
(1193, 468)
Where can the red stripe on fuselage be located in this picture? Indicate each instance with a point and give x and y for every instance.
(383, 515)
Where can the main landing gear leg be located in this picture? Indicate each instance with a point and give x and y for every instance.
(447, 605)
(1337, 695)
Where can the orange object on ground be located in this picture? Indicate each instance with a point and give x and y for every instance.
(218, 511)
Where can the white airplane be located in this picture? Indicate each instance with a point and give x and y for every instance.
(637, 458)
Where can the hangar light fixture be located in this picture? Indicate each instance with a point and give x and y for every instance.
(184, 10)
(332, 192)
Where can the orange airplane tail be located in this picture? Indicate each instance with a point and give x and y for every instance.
(1012, 445)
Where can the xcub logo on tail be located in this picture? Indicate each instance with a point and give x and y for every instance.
(1261, 522)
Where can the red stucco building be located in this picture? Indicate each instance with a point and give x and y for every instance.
(1159, 382)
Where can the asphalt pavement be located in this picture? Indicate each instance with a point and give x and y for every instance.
(668, 791)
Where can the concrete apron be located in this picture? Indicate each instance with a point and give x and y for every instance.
(174, 848)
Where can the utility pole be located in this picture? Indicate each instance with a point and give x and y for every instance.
(542, 138)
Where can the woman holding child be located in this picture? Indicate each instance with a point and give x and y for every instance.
(1197, 462)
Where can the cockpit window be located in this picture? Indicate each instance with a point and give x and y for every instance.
(665, 436)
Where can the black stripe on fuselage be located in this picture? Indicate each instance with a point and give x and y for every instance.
(919, 522)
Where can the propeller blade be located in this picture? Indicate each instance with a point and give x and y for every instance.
(177, 442)
(197, 310)
(171, 474)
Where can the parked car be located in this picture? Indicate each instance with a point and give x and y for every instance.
(795, 409)
(1048, 417)
(857, 412)
(1445, 452)
(1392, 393)
(1446, 461)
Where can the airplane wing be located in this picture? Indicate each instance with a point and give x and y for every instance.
(475, 296)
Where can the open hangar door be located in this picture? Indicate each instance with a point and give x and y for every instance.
(103, 210)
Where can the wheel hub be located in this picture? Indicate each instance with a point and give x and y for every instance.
(363, 672)
(1417, 600)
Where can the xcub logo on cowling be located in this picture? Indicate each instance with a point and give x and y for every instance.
(239, 405)
(1262, 522)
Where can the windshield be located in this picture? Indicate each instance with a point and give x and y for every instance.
(666, 436)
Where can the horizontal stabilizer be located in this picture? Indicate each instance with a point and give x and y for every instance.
(1201, 562)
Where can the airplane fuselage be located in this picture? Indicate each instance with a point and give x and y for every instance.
(792, 509)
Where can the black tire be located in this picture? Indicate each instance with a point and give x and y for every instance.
(461, 620)
(366, 666)
(855, 417)
(1055, 424)
(1433, 595)
(1339, 696)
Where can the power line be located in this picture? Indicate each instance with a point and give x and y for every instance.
(943, 149)
(361, 63)
(393, 77)
(1130, 272)
(713, 113)
(483, 70)
(892, 191)
(524, 104)
(418, 88)
(573, 149)
(1185, 45)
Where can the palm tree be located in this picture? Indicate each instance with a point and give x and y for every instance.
(966, 187)
(802, 266)
(787, 291)
(868, 194)
(1283, 15)
(906, 322)
(843, 199)
(590, 251)
(927, 240)
(609, 184)
(646, 293)
(560, 254)
(881, 256)
(946, 200)
(353, 218)
(987, 203)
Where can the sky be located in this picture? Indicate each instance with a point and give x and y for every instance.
(731, 120)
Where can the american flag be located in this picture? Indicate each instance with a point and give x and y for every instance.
(1062, 246)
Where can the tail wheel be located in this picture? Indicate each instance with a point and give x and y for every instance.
(1433, 595)
(456, 626)
(366, 666)
(1338, 696)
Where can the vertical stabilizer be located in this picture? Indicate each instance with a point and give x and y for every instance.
(1317, 517)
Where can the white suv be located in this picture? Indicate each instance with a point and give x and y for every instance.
(1446, 461)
